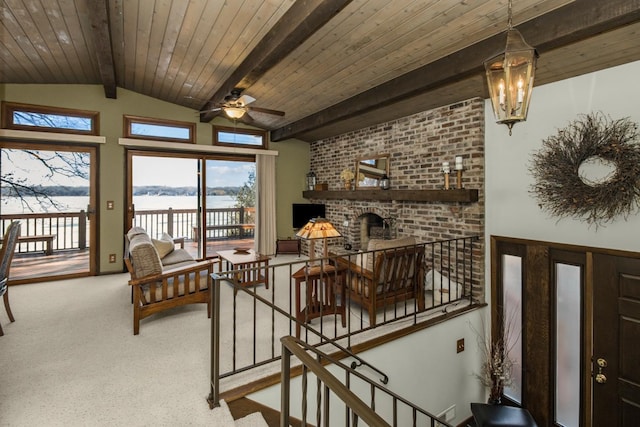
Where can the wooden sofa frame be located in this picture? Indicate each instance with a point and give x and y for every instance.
(398, 274)
(173, 288)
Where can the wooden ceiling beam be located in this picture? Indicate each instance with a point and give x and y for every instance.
(99, 16)
(298, 23)
(561, 27)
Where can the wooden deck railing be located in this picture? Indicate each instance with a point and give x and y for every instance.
(71, 228)
(221, 223)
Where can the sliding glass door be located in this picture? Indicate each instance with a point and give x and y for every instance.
(165, 197)
(229, 215)
(167, 194)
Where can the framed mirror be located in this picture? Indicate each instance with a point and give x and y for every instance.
(369, 171)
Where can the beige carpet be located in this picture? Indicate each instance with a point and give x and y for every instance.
(71, 358)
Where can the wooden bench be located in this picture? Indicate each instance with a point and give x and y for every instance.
(45, 238)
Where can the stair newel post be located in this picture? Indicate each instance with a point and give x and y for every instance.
(285, 385)
(214, 291)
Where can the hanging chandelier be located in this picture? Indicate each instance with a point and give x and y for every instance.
(510, 76)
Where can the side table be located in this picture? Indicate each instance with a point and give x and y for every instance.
(320, 294)
(253, 269)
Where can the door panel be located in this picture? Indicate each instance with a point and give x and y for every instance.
(616, 392)
(164, 196)
(55, 197)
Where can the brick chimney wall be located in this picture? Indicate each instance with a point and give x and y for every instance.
(417, 145)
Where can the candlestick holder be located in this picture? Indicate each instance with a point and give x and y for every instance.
(459, 179)
(446, 180)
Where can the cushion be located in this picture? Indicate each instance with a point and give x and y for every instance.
(177, 256)
(445, 288)
(144, 256)
(135, 231)
(163, 246)
(381, 244)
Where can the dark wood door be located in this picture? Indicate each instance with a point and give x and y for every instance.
(616, 341)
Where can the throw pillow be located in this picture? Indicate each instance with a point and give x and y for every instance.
(164, 246)
(445, 288)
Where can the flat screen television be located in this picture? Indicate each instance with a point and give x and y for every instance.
(303, 212)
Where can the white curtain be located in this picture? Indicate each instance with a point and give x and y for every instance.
(265, 237)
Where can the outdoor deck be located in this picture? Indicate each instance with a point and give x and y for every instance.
(225, 228)
(34, 265)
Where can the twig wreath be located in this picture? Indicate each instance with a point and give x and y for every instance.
(561, 190)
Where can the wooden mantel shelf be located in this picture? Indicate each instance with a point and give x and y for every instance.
(454, 195)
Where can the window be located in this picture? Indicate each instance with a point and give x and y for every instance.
(49, 119)
(232, 137)
(165, 130)
(512, 315)
(568, 315)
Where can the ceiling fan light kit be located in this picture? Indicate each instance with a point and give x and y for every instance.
(234, 112)
(235, 106)
(510, 75)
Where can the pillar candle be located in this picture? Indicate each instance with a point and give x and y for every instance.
(459, 165)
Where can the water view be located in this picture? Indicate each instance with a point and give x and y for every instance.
(77, 203)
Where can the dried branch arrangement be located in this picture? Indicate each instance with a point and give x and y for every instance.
(496, 371)
(559, 188)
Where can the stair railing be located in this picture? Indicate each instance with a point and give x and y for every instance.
(403, 411)
(454, 257)
(214, 393)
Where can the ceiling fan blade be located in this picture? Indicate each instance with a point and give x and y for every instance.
(210, 110)
(246, 99)
(214, 112)
(266, 111)
(246, 118)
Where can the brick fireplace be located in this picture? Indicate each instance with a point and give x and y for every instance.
(417, 146)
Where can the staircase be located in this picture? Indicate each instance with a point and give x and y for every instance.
(222, 417)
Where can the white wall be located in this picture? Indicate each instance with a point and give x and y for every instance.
(422, 367)
(510, 208)
(437, 377)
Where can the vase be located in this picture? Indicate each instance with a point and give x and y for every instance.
(494, 400)
(495, 394)
(347, 185)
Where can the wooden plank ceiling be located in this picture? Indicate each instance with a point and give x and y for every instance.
(330, 65)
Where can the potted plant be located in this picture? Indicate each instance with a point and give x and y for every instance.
(347, 176)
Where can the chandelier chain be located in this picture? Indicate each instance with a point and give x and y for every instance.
(509, 13)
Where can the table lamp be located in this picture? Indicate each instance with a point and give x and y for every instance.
(317, 228)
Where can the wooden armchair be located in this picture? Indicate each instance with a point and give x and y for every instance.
(393, 272)
(6, 255)
(157, 287)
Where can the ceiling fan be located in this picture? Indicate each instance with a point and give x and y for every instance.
(235, 106)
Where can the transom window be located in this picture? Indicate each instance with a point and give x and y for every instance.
(166, 130)
(233, 137)
(49, 119)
